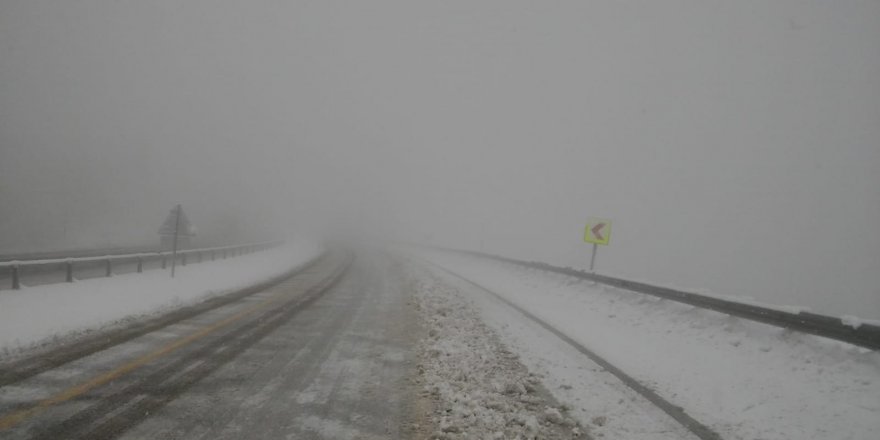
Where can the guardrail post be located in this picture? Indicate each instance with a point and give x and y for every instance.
(183, 259)
(164, 262)
(69, 277)
(140, 264)
(212, 256)
(16, 284)
(199, 256)
(224, 254)
(109, 267)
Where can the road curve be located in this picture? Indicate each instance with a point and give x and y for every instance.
(307, 358)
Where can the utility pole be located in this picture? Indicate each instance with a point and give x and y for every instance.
(174, 242)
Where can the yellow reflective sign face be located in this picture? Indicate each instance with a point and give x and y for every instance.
(598, 231)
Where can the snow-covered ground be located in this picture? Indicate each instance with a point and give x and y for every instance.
(38, 314)
(478, 388)
(743, 379)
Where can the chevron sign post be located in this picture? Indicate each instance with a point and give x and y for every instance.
(598, 231)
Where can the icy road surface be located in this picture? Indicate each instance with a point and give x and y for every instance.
(387, 346)
(308, 358)
(337, 351)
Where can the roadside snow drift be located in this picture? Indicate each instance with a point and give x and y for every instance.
(478, 388)
(36, 315)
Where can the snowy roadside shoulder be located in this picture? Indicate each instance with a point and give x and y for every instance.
(742, 378)
(479, 389)
(49, 314)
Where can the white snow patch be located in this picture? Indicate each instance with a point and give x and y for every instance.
(744, 379)
(41, 313)
(856, 322)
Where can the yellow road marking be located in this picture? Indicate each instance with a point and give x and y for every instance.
(14, 418)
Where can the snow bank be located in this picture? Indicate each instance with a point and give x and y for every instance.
(744, 379)
(38, 314)
(479, 388)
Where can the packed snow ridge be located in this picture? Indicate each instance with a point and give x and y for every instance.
(477, 387)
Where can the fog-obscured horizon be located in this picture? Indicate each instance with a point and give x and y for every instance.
(735, 145)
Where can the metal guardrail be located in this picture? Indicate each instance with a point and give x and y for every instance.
(863, 335)
(74, 253)
(183, 255)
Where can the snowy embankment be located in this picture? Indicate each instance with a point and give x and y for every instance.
(478, 388)
(744, 379)
(37, 315)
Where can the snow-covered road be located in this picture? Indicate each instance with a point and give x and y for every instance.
(743, 379)
(386, 351)
(453, 347)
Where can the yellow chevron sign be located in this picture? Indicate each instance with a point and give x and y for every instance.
(598, 231)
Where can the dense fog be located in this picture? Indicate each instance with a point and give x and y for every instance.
(735, 145)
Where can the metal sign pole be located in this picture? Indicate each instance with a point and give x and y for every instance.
(174, 243)
(593, 258)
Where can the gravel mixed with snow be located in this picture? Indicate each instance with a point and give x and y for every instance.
(478, 388)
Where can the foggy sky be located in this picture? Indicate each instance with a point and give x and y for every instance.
(736, 145)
